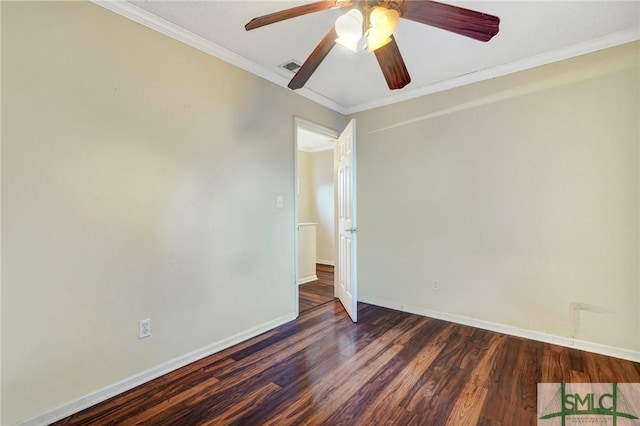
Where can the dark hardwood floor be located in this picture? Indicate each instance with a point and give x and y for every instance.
(392, 368)
(317, 292)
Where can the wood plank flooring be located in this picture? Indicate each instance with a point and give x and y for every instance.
(392, 368)
(317, 292)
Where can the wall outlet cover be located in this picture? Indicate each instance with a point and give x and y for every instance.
(144, 328)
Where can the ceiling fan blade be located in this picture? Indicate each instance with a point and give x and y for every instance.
(392, 65)
(477, 25)
(313, 61)
(305, 9)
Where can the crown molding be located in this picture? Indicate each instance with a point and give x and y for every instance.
(502, 70)
(149, 20)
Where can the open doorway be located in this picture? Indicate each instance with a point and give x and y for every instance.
(315, 211)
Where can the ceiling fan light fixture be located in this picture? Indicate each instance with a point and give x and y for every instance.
(351, 45)
(384, 21)
(374, 42)
(349, 27)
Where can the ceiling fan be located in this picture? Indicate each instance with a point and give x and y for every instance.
(374, 21)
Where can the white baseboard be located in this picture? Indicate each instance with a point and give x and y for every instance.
(307, 279)
(129, 383)
(513, 331)
(326, 262)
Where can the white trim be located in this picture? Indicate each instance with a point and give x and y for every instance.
(301, 123)
(326, 262)
(510, 330)
(307, 279)
(148, 19)
(508, 68)
(296, 195)
(317, 149)
(129, 383)
(315, 128)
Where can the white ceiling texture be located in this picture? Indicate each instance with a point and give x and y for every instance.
(532, 33)
(310, 141)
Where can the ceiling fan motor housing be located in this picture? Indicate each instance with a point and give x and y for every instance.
(391, 4)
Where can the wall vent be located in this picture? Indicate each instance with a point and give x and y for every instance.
(291, 65)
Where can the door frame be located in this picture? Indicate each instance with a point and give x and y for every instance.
(301, 123)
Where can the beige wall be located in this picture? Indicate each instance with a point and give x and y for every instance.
(305, 189)
(315, 199)
(139, 180)
(322, 184)
(519, 194)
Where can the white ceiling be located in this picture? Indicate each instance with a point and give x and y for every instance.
(531, 33)
(309, 141)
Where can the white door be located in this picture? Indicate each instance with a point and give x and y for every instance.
(347, 276)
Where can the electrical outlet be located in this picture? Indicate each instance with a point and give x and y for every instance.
(436, 285)
(144, 328)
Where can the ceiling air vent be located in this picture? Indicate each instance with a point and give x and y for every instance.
(291, 65)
